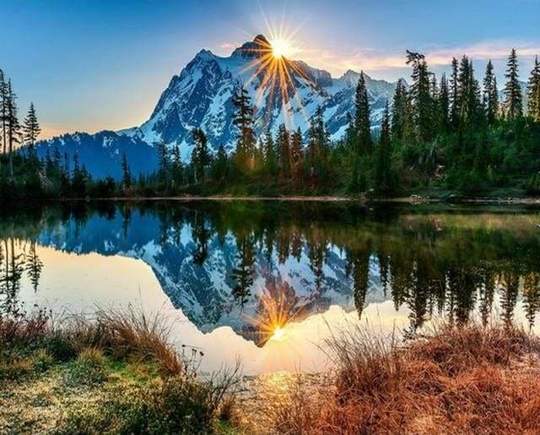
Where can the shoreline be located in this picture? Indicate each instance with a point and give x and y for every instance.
(412, 199)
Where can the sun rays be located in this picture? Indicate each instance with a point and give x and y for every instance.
(275, 75)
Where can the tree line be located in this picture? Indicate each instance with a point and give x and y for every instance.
(437, 134)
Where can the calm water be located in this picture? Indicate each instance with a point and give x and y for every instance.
(267, 282)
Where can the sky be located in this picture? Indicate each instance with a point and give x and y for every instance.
(102, 64)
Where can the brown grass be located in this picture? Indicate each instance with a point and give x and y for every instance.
(126, 334)
(469, 380)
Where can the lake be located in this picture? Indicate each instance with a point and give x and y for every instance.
(267, 282)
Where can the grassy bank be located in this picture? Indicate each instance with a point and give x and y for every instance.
(116, 374)
(470, 380)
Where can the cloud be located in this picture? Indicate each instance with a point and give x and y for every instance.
(380, 61)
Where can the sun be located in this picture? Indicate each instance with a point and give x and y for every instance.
(278, 335)
(281, 48)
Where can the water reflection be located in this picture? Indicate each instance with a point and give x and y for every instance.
(257, 267)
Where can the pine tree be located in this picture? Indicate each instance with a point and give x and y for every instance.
(219, 166)
(454, 95)
(533, 107)
(284, 147)
(177, 167)
(491, 95)
(296, 155)
(512, 90)
(243, 120)
(200, 157)
(362, 118)
(3, 110)
(444, 105)
(31, 129)
(126, 173)
(421, 96)
(13, 126)
(383, 164)
(269, 154)
(399, 111)
(164, 160)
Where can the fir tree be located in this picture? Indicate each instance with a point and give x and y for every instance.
(31, 129)
(243, 120)
(284, 147)
(362, 117)
(269, 154)
(126, 173)
(454, 97)
(399, 111)
(533, 89)
(219, 166)
(384, 161)
(3, 110)
(200, 157)
(444, 105)
(13, 126)
(421, 96)
(296, 155)
(491, 95)
(514, 100)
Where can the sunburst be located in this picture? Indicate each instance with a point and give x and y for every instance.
(277, 72)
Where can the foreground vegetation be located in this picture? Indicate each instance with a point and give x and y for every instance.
(437, 136)
(459, 380)
(117, 374)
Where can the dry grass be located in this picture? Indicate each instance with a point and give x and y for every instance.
(114, 373)
(121, 334)
(469, 380)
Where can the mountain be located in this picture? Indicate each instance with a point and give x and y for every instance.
(201, 96)
(283, 91)
(101, 153)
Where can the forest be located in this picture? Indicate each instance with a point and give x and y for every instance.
(442, 137)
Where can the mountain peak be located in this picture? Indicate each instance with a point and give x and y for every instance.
(255, 48)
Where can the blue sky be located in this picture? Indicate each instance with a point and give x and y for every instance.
(91, 65)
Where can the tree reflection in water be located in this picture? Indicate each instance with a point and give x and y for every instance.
(434, 261)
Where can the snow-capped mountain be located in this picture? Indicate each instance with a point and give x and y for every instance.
(201, 96)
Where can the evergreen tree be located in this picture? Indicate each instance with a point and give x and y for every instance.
(31, 129)
(533, 107)
(421, 96)
(269, 154)
(3, 110)
(13, 126)
(399, 111)
(383, 178)
(126, 173)
(219, 166)
(454, 97)
(318, 144)
(177, 167)
(243, 120)
(163, 159)
(297, 155)
(200, 157)
(362, 117)
(444, 105)
(491, 95)
(284, 147)
(514, 99)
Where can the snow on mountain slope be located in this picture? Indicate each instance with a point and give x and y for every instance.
(201, 96)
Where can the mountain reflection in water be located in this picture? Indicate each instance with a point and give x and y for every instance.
(259, 266)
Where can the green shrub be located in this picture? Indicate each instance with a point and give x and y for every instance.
(87, 370)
